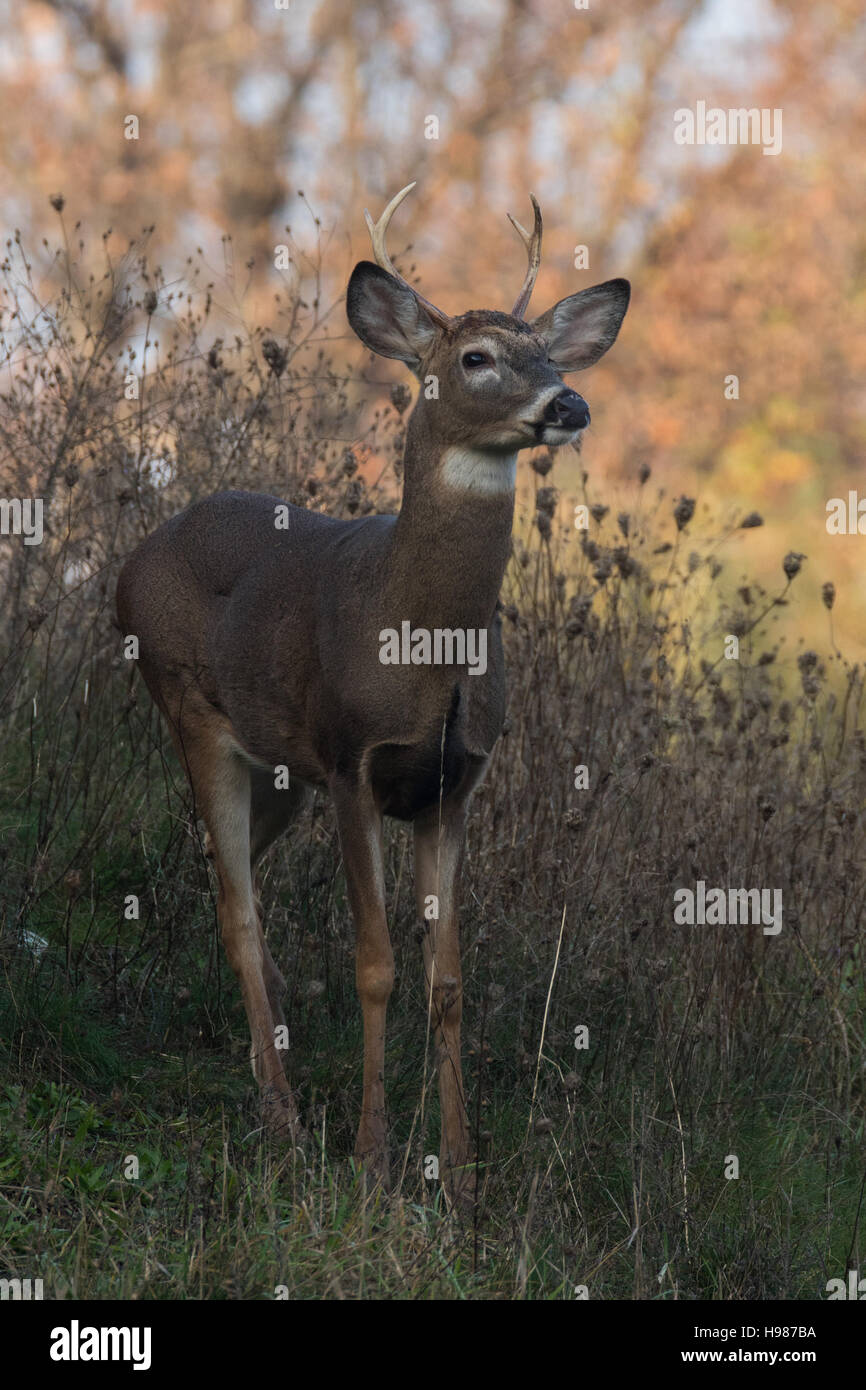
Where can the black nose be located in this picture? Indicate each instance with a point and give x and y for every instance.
(568, 409)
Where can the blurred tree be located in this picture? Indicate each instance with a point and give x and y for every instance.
(744, 265)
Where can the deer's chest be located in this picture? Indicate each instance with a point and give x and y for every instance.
(416, 730)
(407, 777)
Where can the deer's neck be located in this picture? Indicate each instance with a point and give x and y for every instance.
(452, 540)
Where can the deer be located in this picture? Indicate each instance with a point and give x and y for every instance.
(262, 646)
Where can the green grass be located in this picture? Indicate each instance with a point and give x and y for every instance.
(218, 1211)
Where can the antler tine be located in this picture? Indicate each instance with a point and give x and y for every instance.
(532, 242)
(378, 232)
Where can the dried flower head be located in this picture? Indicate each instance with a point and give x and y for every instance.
(275, 356)
(603, 569)
(792, 563)
(624, 562)
(354, 493)
(36, 616)
(542, 463)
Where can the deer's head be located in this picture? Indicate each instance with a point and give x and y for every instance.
(493, 382)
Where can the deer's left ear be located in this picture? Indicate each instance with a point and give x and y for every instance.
(580, 329)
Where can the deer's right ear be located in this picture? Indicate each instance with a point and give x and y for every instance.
(387, 316)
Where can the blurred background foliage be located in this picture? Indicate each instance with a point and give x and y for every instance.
(742, 263)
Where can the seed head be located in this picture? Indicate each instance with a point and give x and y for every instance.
(792, 563)
(275, 356)
(542, 463)
(36, 615)
(545, 500)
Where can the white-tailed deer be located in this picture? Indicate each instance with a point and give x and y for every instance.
(269, 647)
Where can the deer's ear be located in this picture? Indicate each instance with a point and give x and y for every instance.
(580, 329)
(387, 316)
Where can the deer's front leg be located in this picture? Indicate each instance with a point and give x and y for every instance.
(439, 839)
(360, 826)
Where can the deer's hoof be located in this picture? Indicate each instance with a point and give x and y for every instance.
(375, 1168)
(280, 1118)
(460, 1189)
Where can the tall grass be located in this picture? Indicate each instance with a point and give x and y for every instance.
(601, 1167)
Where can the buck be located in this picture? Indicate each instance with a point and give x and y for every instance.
(261, 645)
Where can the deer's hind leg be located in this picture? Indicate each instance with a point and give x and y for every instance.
(271, 810)
(360, 826)
(221, 781)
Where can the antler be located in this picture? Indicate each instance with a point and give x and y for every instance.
(378, 231)
(532, 242)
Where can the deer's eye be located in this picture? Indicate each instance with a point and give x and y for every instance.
(476, 359)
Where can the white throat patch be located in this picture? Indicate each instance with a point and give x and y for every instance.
(472, 471)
